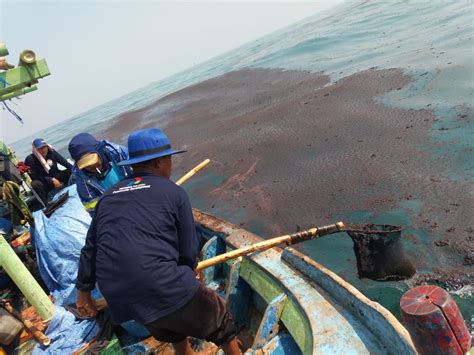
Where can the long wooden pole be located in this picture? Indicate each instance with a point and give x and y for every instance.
(192, 172)
(288, 239)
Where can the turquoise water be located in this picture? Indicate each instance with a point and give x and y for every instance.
(431, 40)
(336, 253)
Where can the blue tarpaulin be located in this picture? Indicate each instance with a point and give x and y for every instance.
(58, 242)
(67, 334)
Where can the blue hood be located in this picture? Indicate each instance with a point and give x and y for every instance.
(83, 143)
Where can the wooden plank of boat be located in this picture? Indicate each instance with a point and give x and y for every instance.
(323, 314)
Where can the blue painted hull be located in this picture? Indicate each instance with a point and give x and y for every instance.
(286, 303)
(322, 313)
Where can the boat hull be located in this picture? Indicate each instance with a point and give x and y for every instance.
(322, 313)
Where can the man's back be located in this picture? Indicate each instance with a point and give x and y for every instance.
(146, 248)
(141, 248)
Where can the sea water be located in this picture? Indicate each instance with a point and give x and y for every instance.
(431, 40)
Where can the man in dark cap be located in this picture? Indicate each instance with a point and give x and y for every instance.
(141, 249)
(45, 174)
(96, 168)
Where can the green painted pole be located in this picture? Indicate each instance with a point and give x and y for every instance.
(3, 50)
(20, 275)
(17, 93)
(23, 76)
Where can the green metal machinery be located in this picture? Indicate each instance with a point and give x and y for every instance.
(20, 80)
(16, 81)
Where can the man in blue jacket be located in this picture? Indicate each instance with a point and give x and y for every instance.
(141, 249)
(96, 168)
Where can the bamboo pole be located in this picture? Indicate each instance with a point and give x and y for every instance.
(20, 275)
(192, 172)
(288, 239)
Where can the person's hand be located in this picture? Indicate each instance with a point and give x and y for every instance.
(57, 183)
(85, 304)
(198, 274)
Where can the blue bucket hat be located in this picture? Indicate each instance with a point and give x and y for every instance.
(147, 144)
(39, 143)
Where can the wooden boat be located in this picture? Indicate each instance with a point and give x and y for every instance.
(287, 303)
(283, 301)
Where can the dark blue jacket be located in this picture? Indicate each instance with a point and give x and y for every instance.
(141, 248)
(89, 186)
(38, 172)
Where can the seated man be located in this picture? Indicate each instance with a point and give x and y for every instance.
(142, 247)
(96, 168)
(45, 174)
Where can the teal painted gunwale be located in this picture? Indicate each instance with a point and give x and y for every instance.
(266, 286)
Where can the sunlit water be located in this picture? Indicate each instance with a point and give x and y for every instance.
(431, 40)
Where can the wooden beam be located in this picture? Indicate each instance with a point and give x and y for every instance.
(212, 248)
(237, 293)
(269, 325)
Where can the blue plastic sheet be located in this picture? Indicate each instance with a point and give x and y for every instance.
(5, 225)
(67, 334)
(58, 242)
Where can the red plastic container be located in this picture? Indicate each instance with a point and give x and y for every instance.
(434, 321)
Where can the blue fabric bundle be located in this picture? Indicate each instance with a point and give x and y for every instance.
(67, 334)
(58, 242)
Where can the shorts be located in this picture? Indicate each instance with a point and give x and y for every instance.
(205, 316)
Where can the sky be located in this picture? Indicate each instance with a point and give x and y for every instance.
(100, 50)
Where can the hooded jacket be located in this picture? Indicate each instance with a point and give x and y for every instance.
(89, 186)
